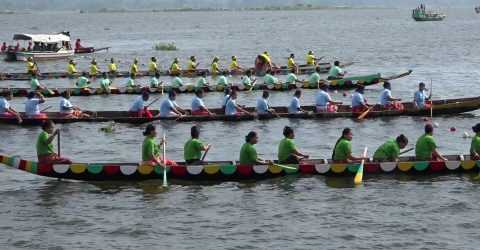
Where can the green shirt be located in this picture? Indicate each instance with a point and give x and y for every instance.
(222, 80)
(130, 83)
(314, 78)
(150, 149)
(193, 149)
(424, 147)
(342, 150)
(475, 146)
(389, 151)
(269, 79)
(335, 71)
(82, 82)
(248, 154)
(34, 83)
(247, 81)
(177, 82)
(291, 78)
(43, 147)
(105, 83)
(285, 149)
(202, 82)
(154, 82)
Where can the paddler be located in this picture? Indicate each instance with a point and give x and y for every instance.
(152, 66)
(311, 59)
(154, 80)
(177, 81)
(169, 108)
(315, 79)
(31, 66)
(45, 151)
(226, 96)
(420, 97)
(214, 67)
(359, 103)
(83, 83)
(291, 64)
(202, 81)
(4, 47)
(71, 68)
(192, 64)
(342, 152)
(475, 145)
(263, 108)
(223, 80)
(247, 80)
(78, 45)
(93, 68)
(151, 150)
(295, 107)
(336, 72)
(198, 107)
(175, 69)
(234, 66)
(192, 150)
(134, 67)
(105, 83)
(292, 78)
(139, 108)
(232, 108)
(390, 150)
(35, 84)
(32, 106)
(248, 153)
(426, 148)
(131, 82)
(269, 78)
(386, 99)
(68, 110)
(112, 67)
(323, 101)
(6, 111)
(287, 151)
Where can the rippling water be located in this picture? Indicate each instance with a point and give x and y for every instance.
(387, 212)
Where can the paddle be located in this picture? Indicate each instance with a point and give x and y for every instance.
(154, 101)
(164, 162)
(406, 151)
(45, 109)
(365, 113)
(431, 102)
(58, 143)
(205, 154)
(359, 175)
(283, 166)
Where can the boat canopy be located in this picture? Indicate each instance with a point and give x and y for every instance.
(56, 38)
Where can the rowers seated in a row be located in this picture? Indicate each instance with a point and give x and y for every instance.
(6, 110)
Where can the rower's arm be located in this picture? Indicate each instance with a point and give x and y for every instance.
(437, 154)
(51, 137)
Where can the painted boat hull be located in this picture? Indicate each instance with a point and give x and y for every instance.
(23, 55)
(228, 171)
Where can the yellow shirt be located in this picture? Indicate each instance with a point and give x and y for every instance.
(93, 70)
(234, 65)
(192, 65)
(134, 69)
(291, 63)
(310, 59)
(71, 69)
(152, 67)
(112, 67)
(214, 68)
(267, 58)
(174, 68)
(30, 67)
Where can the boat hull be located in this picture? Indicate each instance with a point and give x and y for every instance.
(23, 55)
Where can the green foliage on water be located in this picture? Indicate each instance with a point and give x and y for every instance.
(166, 46)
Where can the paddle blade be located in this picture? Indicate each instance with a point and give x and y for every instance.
(359, 175)
(364, 114)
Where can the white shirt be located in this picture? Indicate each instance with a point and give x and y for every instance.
(166, 107)
(32, 107)
(225, 100)
(197, 103)
(65, 106)
(262, 106)
(385, 97)
(357, 100)
(4, 105)
(138, 104)
(294, 106)
(231, 107)
(322, 99)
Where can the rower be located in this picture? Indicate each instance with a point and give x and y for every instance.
(71, 68)
(234, 67)
(475, 145)
(426, 148)
(131, 82)
(93, 68)
(138, 108)
(292, 79)
(177, 81)
(152, 66)
(269, 78)
(105, 83)
(226, 96)
(324, 102)
(202, 81)
(359, 103)
(232, 108)
(214, 67)
(175, 67)
(31, 66)
(315, 79)
(134, 67)
(4, 47)
(287, 151)
(44, 146)
(263, 108)
(267, 57)
(192, 150)
(32, 106)
(112, 67)
(169, 107)
(248, 153)
(192, 64)
(68, 110)
(336, 72)
(342, 152)
(6, 111)
(295, 107)
(154, 80)
(311, 60)
(83, 83)
(223, 80)
(420, 97)
(151, 150)
(291, 65)
(262, 64)
(35, 84)
(198, 107)
(78, 45)
(390, 150)
(247, 79)
(386, 99)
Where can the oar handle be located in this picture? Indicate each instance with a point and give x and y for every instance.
(154, 101)
(406, 151)
(58, 143)
(205, 154)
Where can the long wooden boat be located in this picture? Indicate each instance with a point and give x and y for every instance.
(440, 107)
(347, 83)
(283, 70)
(230, 171)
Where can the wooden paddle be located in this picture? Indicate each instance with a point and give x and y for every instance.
(283, 166)
(359, 175)
(406, 151)
(58, 144)
(45, 109)
(154, 101)
(165, 184)
(365, 113)
(431, 101)
(205, 154)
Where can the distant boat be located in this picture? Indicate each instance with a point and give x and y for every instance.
(477, 9)
(420, 14)
(45, 46)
